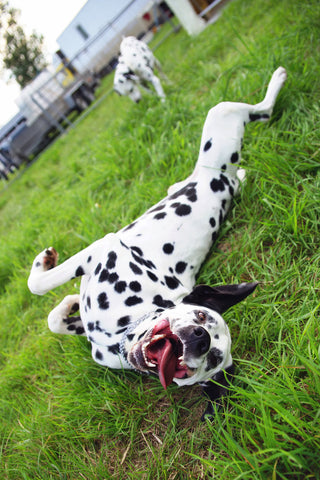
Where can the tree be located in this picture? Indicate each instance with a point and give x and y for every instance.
(21, 54)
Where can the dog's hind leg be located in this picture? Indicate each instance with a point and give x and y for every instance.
(60, 319)
(222, 136)
(223, 130)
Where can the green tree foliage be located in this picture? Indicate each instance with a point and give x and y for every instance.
(21, 54)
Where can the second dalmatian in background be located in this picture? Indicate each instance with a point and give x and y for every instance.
(136, 67)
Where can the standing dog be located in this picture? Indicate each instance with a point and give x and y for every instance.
(138, 305)
(136, 65)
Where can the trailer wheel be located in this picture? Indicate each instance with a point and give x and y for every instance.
(87, 93)
(80, 101)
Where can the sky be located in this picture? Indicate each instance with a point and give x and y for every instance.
(48, 18)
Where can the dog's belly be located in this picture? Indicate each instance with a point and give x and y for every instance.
(178, 232)
(124, 285)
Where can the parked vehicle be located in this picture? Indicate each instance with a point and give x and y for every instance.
(45, 103)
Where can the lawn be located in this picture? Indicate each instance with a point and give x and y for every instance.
(63, 417)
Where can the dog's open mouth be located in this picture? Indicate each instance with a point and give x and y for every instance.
(164, 354)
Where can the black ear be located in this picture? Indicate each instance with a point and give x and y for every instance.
(221, 298)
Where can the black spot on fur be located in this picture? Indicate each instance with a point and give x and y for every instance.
(134, 300)
(223, 203)
(98, 355)
(152, 276)
(172, 282)
(89, 301)
(156, 209)
(208, 145)
(79, 272)
(168, 248)
(135, 286)
(89, 259)
(257, 116)
(79, 330)
(189, 191)
(137, 250)
(224, 179)
(112, 257)
(120, 286)
(123, 321)
(216, 336)
(180, 267)
(90, 326)
(113, 277)
(130, 336)
(183, 210)
(137, 270)
(234, 157)
(221, 217)
(149, 264)
(74, 308)
(224, 168)
(98, 268)
(231, 191)
(160, 302)
(104, 275)
(214, 237)
(160, 216)
(115, 349)
(103, 301)
(217, 185)
(121, 330)
(212, 222)
(130, 226)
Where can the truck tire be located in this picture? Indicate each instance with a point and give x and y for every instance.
(81, 102)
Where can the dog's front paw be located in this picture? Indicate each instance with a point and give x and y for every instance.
(46, 260)
(43, 262)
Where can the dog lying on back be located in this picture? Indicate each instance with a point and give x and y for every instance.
(136, 67)
(138, 304)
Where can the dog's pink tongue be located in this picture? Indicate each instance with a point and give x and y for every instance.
(166, 364)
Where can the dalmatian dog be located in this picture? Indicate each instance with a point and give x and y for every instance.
(138, 304)
(136, 68)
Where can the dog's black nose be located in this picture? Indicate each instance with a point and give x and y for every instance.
(199, 341)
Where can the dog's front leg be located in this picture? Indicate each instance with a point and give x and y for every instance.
(158, 87)
(46, 275)
(216, 388)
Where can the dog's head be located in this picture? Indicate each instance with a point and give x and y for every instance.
(189, 343)
(126, 82)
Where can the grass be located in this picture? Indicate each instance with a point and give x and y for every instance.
(64, 417)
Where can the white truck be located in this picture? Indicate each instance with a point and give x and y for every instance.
(45, 105)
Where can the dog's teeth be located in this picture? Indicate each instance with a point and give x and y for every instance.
(147, 362)
(150, 364)
(157, 337)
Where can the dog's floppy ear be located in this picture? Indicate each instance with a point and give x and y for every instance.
(221, 298)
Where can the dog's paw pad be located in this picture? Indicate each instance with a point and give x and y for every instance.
(46, 260)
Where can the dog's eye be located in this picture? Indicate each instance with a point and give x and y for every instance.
(201, 316)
